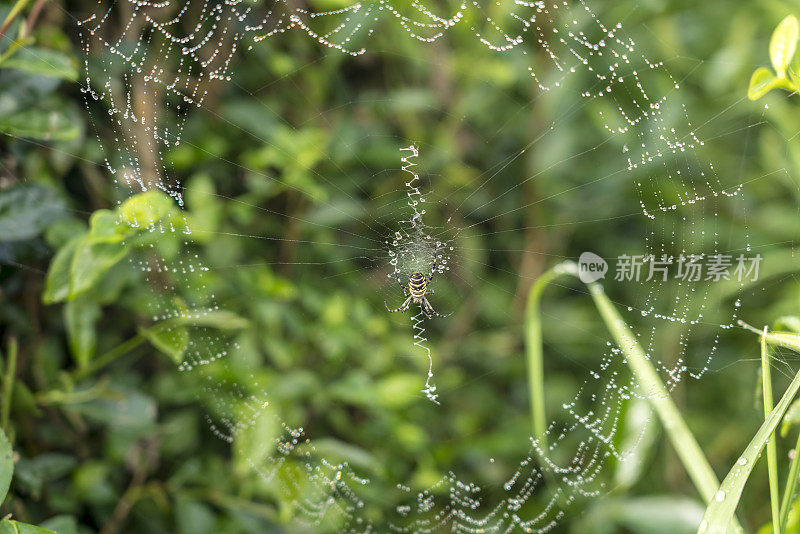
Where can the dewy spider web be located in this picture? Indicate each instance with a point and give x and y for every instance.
(170, 57)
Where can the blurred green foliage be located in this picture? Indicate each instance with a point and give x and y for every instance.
(108, 435)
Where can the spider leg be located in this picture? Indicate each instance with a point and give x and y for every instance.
(403, 286)
(402, 307)
(430, 312)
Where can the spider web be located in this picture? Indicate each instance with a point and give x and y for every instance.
(146, 80)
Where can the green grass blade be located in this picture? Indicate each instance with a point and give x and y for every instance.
(791, 486)
(721, 510)
(682, 439)
(772, 452)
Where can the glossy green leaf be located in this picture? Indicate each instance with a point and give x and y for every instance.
(171, 341)
(144, 209)
(6, 465)
(56, 285)
(40, 124)
(106, 225)
(761, 82)
(783, 44)
(44, 62)
(80, 318)
(93, 257)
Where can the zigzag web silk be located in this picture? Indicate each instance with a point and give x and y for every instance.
(413, 250)
(167, 58)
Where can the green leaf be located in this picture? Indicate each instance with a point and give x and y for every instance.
(254, 441)
(56, 285)
(32, 475)
(761, 82)
(146, 208)
(222, 319)
(26, 210)
(193, 517)
(24, 401)
(15, 527)
(122, 409)
(398, 390)
(80, 317)
(787, 322)
(93, 257)
(6, 465)
(91, 484)
(637, 436)
(720, 512)
(62, 524)
(44, 125)
(106, 225)
(44, 62)
(339, 451)
(171, 341)
(783, 44)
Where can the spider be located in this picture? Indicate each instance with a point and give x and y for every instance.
(416, 290)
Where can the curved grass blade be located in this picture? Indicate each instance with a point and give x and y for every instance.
(720, 512)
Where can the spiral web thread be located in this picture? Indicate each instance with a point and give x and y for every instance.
(175, 56)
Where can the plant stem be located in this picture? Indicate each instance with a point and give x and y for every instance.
(791, 485)
(124, 347)
(534, 354)
(12, 15)
(33, 16)
(772, 453)
(8, 384)
(108, 357)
